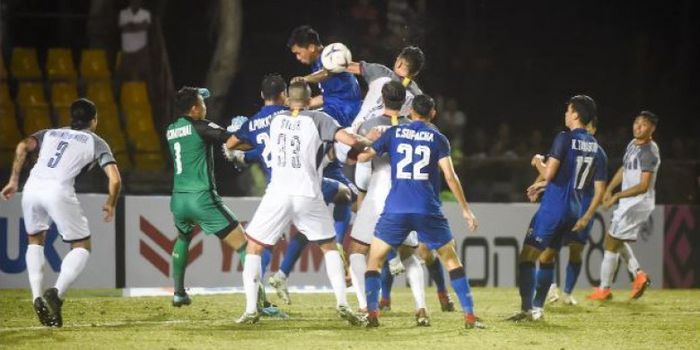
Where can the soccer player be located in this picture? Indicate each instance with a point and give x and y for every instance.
(418, 152)
(570, 166)
(638, 177)
(294, 194)
(340, 93)
(194, 201)
(49, 196)
(577, 238)
(393, 96)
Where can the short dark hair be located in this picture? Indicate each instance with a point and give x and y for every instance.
(585, 107)
(393, 95)
(185, 98)
(423, 104)
(272, 86)
(414, 57)
(82, 112)
(303, 36)
(650, 116)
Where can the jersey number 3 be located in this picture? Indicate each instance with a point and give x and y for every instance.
(53, 162)
(422, 152)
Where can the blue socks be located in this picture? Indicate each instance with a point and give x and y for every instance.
(266, 258)
(572, 272)
(387, 280)
(342, 213)
(294, 249)
(461, 286)
(526, 284)
(437, 275)
(545, 276)
(372, 290)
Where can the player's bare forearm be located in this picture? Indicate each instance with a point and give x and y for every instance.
(317, 76)
(353, 68)
(640, 188)
(453, 182)
(234, 143)
(316, 102)
(23, 147)
(366, 155)
(551, 169)
(596, 200)
(615, 181)
(115, 183)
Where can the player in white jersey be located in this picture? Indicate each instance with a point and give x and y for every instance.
(49, 196)
(294, 195)
(393, 97)
(638, 178)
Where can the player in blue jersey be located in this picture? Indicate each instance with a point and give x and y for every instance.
(578, 237)
(568, 171)
(340, 93)
(417, 152)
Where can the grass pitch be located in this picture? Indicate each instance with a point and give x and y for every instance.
(104, 319)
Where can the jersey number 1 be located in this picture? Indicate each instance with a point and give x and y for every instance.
(178, 158)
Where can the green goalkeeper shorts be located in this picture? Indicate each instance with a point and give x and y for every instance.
(203, 208)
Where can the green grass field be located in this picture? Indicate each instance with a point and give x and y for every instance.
(104, 319)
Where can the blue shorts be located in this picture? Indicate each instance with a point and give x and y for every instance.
(580, 236)
(344, 112)
(547, 229)
(433, 230)
(329, 187)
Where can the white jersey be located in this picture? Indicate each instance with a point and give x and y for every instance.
(638, 159)
(63, 153)
(298, 145)
(376, 75)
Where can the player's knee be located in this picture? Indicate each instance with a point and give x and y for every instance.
(611, 243)
(343, 196)
(529, 254)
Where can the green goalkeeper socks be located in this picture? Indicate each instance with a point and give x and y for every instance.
(179, 263)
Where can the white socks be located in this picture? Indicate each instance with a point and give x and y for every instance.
(416, 279)
(35, 268)
(632, 262)
(336, 274)
(251, 270)
(607, 268)
(73, 264)
(358, 267)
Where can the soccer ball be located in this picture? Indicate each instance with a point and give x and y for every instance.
(336, 57)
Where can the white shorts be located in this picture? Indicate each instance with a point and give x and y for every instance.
(627, 222)
(43, 204)
(275, 212)
(367, 218)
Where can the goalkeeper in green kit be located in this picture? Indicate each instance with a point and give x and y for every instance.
(191, 141)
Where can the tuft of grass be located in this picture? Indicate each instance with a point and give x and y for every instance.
(104, 319)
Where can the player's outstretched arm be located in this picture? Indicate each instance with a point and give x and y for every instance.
(357, 142)
(595, 203)
(455, 186)
(23, 147)
(115, 186)
(233, 143)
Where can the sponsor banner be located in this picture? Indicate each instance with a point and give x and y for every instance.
(682, 246)
(490, 254)
(100, 269)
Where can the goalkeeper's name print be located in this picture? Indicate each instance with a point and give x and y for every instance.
(180, 132)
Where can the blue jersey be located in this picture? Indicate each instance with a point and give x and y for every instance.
(256, 131)
(414, 150)
(341, 95)
(577, 152)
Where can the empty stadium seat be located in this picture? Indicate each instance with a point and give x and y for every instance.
(31, 94)
(35, 118)
(3, 70)
(93, 64)
(134, 94)
(24, 64)
(63, 94)
(5, 95)
(9, 134)
(116, 140)
(100, 92)
(59, 64)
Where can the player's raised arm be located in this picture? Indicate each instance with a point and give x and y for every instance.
(23, 147)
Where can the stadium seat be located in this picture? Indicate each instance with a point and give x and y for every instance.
(24, 64)
(9, 134)
(62, 116)
(59, 64)
(5, 95)
(63, 94)
(3, 70)
(35, 118)
(93, 64)
(100, 92)
(134, 95)
(31, 94)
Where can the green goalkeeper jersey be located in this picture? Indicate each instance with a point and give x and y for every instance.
(191, 144)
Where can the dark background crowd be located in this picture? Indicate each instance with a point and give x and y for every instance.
(501, 71)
